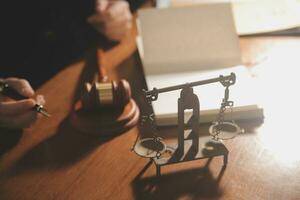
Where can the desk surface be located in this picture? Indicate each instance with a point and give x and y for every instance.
(51, 160)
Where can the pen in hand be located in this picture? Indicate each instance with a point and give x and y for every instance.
(8, 91)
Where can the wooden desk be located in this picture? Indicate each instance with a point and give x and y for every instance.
(53, 161)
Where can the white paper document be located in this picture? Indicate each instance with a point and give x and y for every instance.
(262, 16)
(258, 16)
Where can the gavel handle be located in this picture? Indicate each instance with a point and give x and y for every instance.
(102, 75)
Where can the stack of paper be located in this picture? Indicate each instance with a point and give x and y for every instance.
(179, 45)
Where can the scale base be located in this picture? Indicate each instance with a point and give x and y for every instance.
(208, 148)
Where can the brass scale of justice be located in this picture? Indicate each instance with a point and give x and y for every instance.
(193, 146)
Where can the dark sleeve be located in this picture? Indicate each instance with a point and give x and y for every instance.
(79, 28)
(135, 4)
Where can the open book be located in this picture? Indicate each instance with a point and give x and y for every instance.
(179, 45)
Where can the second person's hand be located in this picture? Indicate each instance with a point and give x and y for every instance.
(112, 18)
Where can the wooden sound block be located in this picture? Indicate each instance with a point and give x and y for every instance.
(108, 122)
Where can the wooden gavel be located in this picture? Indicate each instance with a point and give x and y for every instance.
(106, 108)
(105, 93)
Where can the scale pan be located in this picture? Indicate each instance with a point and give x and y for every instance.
(228, 130)
(149, 147)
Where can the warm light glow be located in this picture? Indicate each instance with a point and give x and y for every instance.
(281, 141)
(279, 94)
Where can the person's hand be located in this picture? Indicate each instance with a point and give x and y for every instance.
(112, 18)
(19, 114)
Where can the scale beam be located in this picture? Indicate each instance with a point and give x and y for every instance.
(226, 81)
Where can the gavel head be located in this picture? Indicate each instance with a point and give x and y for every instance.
(106, 95)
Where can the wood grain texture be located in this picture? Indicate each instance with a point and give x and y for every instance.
(53, 161)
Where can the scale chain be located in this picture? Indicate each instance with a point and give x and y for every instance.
(221, 115)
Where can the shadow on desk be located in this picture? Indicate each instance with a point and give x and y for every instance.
(8, 139)
(64, 148)
(195, 183)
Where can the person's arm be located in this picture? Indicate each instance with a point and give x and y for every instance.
(19, 114)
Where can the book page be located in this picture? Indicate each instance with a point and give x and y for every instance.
(188, 38)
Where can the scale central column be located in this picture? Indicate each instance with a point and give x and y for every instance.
(188, 100)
